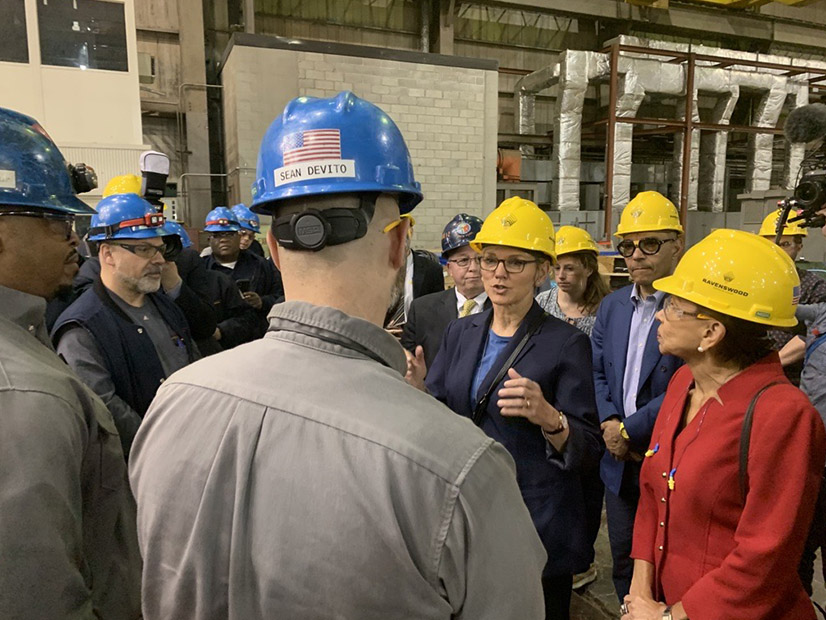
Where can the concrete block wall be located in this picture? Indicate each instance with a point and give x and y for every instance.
(447, 114)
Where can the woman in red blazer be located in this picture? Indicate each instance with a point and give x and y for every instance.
(706, 547)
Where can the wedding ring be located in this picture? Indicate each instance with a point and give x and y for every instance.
(624, 609)
(527, 403)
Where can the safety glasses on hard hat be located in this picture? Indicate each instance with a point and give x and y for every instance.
(61, 223)
(648, 246)
(397, 222)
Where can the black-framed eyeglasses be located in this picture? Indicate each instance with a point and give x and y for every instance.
(222, 234)
(465, 262)
(145, 251)
(648, 246)
(61, 223)
(790, 244)
(513, 264)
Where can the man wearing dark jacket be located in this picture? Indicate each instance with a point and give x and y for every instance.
(122, 336)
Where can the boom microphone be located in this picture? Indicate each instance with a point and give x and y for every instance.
(806, 123)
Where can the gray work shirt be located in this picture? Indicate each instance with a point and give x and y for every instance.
(68, 545)
(300, 477)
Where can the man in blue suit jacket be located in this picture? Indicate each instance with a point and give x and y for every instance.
(630, 374)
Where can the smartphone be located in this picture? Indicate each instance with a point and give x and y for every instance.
(243, 285)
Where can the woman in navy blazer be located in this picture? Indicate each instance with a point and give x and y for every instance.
(543, 410)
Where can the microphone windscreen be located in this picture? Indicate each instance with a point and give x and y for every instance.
(806, 123)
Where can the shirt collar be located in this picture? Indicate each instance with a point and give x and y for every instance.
(636, 296)
(480, 299)
(335, 326)
(26, 311)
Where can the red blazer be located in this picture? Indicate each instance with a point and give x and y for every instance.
(721, 558)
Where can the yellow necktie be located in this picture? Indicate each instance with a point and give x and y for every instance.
(467, 307)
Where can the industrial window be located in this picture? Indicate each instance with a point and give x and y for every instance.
(14, 44)
(88, 34)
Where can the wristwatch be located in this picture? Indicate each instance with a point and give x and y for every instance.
(563, 424)
(667, 613)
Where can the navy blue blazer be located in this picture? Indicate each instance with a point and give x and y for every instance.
(558, 357)
(609, 341)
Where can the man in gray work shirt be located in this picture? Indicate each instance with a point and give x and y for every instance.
(299, 476)
(68, 545)
(122, 336)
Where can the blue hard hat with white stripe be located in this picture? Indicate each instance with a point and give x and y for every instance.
(338, 145)
(126, 216)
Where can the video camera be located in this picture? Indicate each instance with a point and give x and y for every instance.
(807, 124)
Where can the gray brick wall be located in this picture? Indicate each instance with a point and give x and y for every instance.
(448, 116)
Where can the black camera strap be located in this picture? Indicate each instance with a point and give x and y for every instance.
(482, 405)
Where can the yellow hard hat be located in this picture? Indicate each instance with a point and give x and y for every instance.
(572, 239)
(738, 274)
(769, 226)
(123, 184)
(649, 212)
(517, 223)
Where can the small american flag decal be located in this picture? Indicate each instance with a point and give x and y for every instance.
(312, 145)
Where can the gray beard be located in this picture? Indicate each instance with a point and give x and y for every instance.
(143, 285)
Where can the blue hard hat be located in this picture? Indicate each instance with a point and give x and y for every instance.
(246, 218)
(126, 216)
(460, 231)
(221, 219)
(333, 146)
(175, 228)
(33, 172)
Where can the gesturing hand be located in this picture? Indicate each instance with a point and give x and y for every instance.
(416, 368)
(522, 397)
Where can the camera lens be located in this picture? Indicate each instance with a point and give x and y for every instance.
(811, 192)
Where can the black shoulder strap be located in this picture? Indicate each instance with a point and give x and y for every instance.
(745, 440)
(482, 405)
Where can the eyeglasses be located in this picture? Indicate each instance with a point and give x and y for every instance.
(465, 262)
(223, 234)
(60, 223)
(513, 264)
(648, 246)
(673, 313)
(789, 244)
(397, 222)
(142, 250)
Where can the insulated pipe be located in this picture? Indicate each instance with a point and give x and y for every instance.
(713, 147)
(759, 167)
(795, 153)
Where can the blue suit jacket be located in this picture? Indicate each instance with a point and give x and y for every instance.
(609, 341)
(558, 357)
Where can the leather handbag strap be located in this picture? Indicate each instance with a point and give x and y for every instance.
(482, 405)
(745, 440)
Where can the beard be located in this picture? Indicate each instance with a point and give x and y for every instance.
(145, 284)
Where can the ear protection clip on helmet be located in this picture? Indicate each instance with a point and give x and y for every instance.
(313, 230)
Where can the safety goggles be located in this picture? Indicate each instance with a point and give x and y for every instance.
(397, 222)
(673, 313)
(648, 246)
(62, 223)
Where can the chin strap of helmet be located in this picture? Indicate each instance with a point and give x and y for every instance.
(312, 229)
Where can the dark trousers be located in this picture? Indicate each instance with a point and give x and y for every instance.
(815, 540)
(557, 590)
(620, 512)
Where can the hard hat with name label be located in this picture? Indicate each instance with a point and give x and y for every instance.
(769, 226)
(518, 223)
(126, 216)
(221, 219)
(33, 172)
(738, 274)
(246, 218)
(571, 239)
(649, 212)
(123, 184)
(338, 145)
(460, 231)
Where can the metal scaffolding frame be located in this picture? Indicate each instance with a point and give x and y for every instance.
(817, 82)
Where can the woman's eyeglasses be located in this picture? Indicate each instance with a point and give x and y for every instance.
(648, 246)
(512, 264)
(673, 313)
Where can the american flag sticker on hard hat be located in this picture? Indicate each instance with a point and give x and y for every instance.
(795, 295)
(313, 154)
